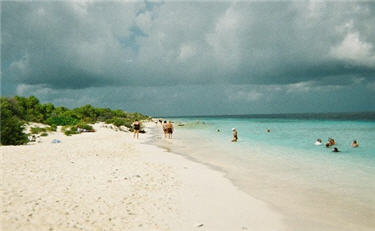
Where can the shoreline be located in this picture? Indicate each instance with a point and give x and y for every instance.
(107, 180)
(302, 207)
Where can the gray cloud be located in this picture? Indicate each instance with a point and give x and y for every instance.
(53, 48)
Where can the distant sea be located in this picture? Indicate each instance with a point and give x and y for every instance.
(309, 184)
(307, 116)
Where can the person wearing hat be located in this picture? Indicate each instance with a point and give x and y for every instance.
(235, 137)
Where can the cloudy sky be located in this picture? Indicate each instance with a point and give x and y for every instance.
(192, 58)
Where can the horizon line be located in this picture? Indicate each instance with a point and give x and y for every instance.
(260, 114)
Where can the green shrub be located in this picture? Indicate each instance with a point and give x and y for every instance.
(44, 134)
(52, 128)
(70, 132)
(37, 130)
(120, 122)
(61, 121)
(85, 126)
(12, 131)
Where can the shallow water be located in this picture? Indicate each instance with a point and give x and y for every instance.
(312, 187)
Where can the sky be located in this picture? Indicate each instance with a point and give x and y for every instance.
(192, 58)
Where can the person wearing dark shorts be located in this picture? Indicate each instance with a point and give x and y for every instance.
(169, 129)
(136, 127)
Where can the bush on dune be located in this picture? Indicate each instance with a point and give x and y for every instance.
(51, 128)
(70, 132)
(37, 130)
(117, 122)
(18, 110)
(61, 120)
(128, 120)
(11, 128)
(85, 126)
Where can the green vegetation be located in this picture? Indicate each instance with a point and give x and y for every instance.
(16, 111)
(52, 128)
(76, 129)
(120, 122)
(11, 126)
(84, 126)
(37, 130)
(61, 120)
(70, 131)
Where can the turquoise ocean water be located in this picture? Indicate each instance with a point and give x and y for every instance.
(311, 186)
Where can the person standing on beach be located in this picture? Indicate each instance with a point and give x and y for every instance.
(235, 137)
(136, 127)
(165, 129)
(170, 129)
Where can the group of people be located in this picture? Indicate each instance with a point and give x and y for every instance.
(167, 129)
(331, 142)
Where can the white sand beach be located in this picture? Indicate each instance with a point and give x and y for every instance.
(106, 180)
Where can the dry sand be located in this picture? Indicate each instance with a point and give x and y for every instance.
(108, 181)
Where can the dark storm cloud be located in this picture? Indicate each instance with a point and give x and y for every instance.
(79, 45)
(64, 45)
(228, 55)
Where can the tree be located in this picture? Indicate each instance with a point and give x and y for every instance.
(86, 113)
(47, 110)
(11, 128)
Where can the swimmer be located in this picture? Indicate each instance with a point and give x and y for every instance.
(335, 150)
(235, 137)
(318, 142)
(331, 141)
(268, 130)
(218, 130)
(355, 144)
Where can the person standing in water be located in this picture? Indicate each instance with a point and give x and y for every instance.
(170, 129)
(136, 127)
(235, 137)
